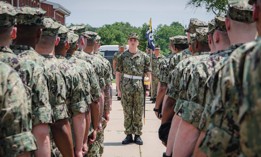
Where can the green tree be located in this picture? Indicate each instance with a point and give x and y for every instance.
(216, 6)
(163, 32)
(116, 33)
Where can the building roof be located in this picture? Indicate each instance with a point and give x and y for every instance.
(58, 7)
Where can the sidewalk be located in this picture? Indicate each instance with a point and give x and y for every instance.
(114, 134)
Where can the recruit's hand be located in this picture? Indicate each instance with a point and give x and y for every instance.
(92, 137)
(107, 116)
(85, 149)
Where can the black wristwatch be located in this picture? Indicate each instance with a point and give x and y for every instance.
(147, 89)
(156, 110)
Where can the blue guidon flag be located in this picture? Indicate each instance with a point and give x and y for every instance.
(149, 36)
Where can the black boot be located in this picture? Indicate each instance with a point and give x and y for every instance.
(138, 140)
(128, 139)
(164, 155)
(118, 98)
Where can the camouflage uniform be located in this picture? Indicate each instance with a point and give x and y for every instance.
(96, 149)
(15, 131)
(249, 111)
(75, 96)
(132, 89)
(30, 73)
(222, 138)
(55, 83)
(155, 73)
(86, 72)
(180, 78)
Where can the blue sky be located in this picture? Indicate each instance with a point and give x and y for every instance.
(136, 12)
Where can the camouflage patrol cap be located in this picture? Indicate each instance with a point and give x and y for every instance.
(180, 39)
(78, 29)
(133, 36)
(201, 34)
(63, 32)
(51, 27)
(211, 26)
(30, 16)
(240, 10)
(194, 24)
(171, 39)
(98, 38)
(90, 35)
(220, 23)
(7, 14)
(192, 38)
(72, 37)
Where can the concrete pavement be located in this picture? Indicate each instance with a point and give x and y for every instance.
(114, 134)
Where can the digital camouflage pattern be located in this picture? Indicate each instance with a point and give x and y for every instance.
(55, 83)
(35, 82)
(173, 61)
(7, 14)
(201, 34)
(163, 70)
(97, 148)
(75, 94)
(93, 88)
(240, 10)
(222, 111)
(50, 27)
(175, 77)
(132, 89)
(30, 16)
(249, 112)
(194, 24)
(211, 84)
(15, 129)
(96, 66)
(108, 81)
(155, 62)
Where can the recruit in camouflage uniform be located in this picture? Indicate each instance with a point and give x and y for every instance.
(31, 18)
(56, 85)
(30, 73)
(32, 77)
(249, 111)
(96, 148)
(178, 46)
(88, 76)
(177, 88)
(74, 84)
(15, 130)
(98, 144)
(155, 62)
(133, 67)
(222, 136)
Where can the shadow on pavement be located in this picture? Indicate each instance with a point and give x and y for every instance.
(112, 144)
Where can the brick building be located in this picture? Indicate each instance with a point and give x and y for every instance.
(53, 10)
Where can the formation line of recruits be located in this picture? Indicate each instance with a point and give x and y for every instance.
(209, 90)
(55, 96)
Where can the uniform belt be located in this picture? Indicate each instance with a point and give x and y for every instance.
(132, 77)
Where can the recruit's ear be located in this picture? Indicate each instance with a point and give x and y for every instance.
(13, 32)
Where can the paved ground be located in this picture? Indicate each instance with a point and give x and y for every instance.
(114, 134)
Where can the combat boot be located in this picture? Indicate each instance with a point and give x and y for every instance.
(138, 140)
(128, 139)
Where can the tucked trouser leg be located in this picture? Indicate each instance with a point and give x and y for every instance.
(138, 102)
(127, 104)
(154, 87)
